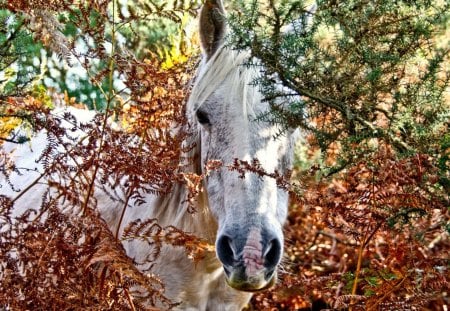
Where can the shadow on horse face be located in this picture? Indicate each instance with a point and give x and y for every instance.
(250, 210)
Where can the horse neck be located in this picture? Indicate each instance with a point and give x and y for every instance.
(173, 209)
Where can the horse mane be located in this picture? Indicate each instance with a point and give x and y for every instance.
(233, 66)
(172, 209)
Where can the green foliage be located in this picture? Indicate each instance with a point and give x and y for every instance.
(348, 279)
(68, 46)
(357, 71)
(17, 54)
(39, 92)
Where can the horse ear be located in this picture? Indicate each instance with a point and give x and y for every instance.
(212, 26)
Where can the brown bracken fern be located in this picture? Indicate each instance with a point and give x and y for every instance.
(59, 253)
(373, 238)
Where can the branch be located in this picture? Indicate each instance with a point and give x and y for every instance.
(345, 110)
(21, 140)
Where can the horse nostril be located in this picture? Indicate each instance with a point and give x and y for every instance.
(225, 250)
(272, 254)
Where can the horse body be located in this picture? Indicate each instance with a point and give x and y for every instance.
(242, 216)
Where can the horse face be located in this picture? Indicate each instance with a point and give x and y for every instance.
(250, 209)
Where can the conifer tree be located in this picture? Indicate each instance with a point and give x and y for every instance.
(356, 73)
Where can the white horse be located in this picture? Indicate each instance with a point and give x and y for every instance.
(242, 216)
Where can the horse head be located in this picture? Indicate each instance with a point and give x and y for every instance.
(250, 208)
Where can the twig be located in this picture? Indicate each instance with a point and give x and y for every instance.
(130, 299)
(362, 247)
(125, 205)
(25, 139)
(29, 187)
(376, 303)
(110, 96)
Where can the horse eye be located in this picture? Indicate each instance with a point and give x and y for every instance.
(202, 117)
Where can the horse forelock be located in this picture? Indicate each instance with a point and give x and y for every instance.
(226, 66)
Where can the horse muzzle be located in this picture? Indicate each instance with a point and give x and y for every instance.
(249, 260)
(238, 279)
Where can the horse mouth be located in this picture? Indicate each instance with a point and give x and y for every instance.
(252, 285)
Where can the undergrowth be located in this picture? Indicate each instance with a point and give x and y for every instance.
(374, 237)
(59, 253)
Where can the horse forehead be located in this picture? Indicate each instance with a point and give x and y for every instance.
(232, 94)
(238, 123)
